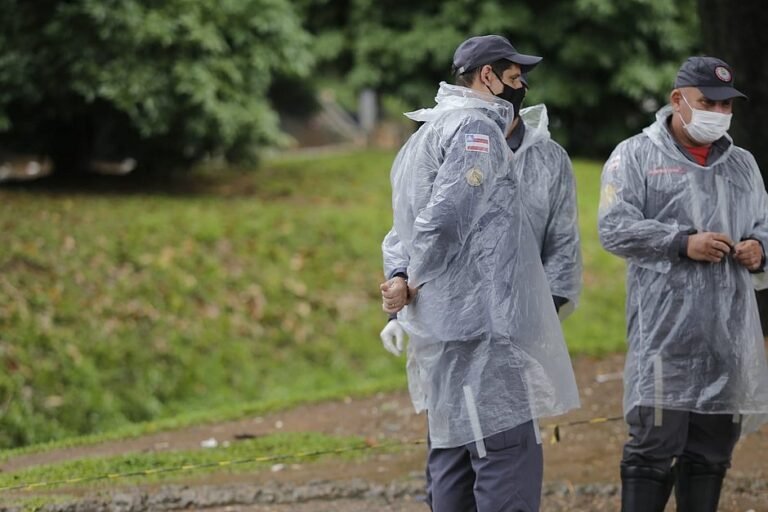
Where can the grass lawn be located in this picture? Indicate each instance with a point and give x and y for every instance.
(597, 326)
(124, 313)
(241, 456)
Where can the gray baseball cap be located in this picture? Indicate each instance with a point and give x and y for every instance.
(712, 76)
(480, 50)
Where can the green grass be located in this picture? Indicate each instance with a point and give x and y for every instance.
(145, 468)
(36, 503)
(123, 309)
(232, 411)
(129, 313)
(597, 326)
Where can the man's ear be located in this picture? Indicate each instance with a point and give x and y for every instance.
(675, 97)
(485, 74)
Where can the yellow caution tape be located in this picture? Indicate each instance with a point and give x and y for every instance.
(556, 437)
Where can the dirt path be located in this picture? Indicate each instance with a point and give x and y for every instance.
(581, 472)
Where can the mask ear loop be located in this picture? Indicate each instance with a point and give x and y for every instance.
(504, 84)
(685, 125)
(500, 80)
(489, 88)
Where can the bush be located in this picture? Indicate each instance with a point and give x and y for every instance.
(168, 81)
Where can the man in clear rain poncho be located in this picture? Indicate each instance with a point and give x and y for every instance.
(546, 175)
(486, 356)
(688, 211)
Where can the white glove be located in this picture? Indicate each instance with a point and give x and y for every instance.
(392, 337)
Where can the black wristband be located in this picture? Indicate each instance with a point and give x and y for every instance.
(399, 272)
(682, 243)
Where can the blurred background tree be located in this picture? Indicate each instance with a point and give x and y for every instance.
(179, 80)
(608, 65)
(164, 82)
(735, 32)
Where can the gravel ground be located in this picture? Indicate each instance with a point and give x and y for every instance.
(360, 495)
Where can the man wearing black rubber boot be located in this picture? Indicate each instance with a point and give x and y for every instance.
(688, 211)
(702, 445)
(697, 486)
(644, 488)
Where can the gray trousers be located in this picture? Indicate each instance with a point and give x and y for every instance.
(700, 438)
(507, 479)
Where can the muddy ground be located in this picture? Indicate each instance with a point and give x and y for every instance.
(581, 472)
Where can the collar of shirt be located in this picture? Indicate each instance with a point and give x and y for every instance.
(715, 150)
(699, 153)
(515, 139)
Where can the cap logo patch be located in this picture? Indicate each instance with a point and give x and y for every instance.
(723, 74)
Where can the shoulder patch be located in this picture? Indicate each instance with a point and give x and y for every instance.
(613, 163)
(474, 177)
(477, 142)
(607, 196)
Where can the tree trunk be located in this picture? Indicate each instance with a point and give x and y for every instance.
(737, 32)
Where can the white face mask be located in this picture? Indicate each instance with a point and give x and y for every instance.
(706, 127)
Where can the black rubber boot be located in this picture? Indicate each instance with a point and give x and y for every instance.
(644, 488)
(697, 486)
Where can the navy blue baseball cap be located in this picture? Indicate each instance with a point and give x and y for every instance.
(480, 50)
(712, 76)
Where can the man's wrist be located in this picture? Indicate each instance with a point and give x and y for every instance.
(761, 268)
(681, 241)
(404, 277)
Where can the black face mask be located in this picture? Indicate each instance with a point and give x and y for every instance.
(512, 95)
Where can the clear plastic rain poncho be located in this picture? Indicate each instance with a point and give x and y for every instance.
(549, 195)
(695, 341)
(486, 352)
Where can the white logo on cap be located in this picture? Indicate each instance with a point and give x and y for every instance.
(723, 74)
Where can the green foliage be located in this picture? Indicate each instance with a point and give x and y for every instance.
(170, 82)
(184, 78)
(607, 63)
(262, 288)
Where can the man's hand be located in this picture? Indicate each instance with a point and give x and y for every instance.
(749, 253)
(396, 294)
(708, 246)
(392, 337)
